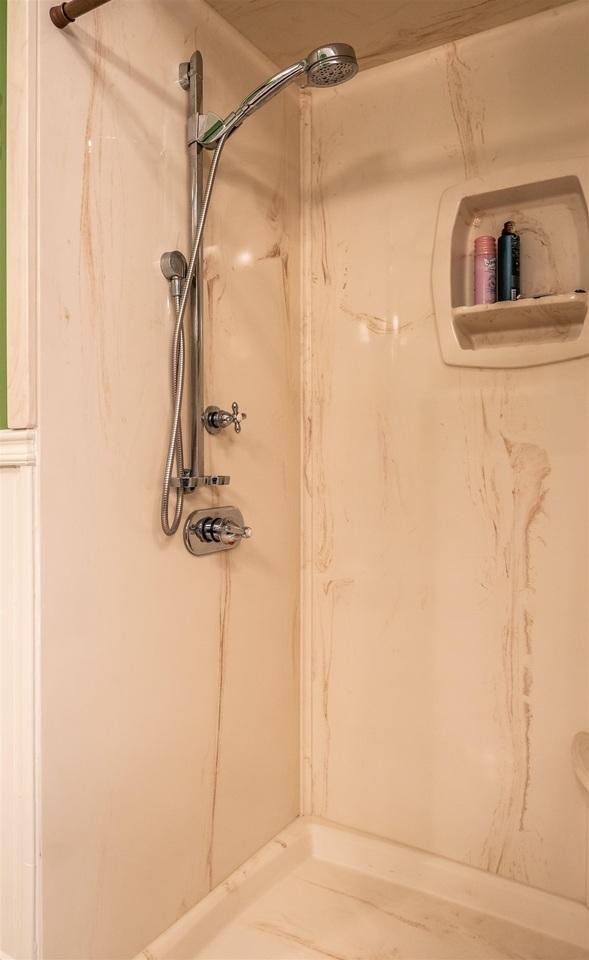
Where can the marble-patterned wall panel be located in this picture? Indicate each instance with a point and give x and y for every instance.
(380, 30)
(449, 536)
(170, 684)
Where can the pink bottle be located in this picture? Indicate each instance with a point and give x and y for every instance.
(485, 270)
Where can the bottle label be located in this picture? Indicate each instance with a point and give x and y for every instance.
(515, 261)
(490, 270)
(485, 279)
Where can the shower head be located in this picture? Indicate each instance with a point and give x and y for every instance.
(332, 64)
(325, 66)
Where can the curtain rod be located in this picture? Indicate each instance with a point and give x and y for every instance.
(66, 13)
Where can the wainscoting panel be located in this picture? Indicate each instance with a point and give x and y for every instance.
(17, 694)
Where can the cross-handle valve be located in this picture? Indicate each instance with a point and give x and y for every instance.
(216, 419)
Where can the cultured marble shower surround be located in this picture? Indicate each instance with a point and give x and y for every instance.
(169, 726)
(448, 507)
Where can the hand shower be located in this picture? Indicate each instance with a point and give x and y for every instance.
(324, 67)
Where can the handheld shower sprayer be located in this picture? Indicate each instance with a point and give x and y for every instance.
(324, 67)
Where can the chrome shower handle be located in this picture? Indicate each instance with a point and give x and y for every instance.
(225, 530)
(215, 529)
(229, 532)
(216, 419)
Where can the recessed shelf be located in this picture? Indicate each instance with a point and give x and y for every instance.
(548, 203)
(521, 322)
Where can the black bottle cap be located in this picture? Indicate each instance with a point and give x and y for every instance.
(508, 227)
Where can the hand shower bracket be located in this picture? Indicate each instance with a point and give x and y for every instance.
(200, 127)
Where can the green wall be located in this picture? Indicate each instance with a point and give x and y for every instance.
(2, 214)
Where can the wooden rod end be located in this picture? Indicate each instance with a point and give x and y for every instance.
(59, 17)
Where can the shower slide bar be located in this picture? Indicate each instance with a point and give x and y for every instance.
(65, 13)
(212, 419)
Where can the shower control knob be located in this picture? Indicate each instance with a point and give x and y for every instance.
(213, 529)
(231, 532)
(221, 530)
(216, 419)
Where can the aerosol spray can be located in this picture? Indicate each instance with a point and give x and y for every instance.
(485, 263)
(508, 263)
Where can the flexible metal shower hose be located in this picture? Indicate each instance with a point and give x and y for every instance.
(177, 364)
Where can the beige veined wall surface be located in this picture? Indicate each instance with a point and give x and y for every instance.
(169, 684)
(449, 507)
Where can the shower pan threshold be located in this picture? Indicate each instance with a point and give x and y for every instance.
(318, 890)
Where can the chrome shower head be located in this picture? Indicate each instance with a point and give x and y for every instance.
(332, 64)
(326, 66)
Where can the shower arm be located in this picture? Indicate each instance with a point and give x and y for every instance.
(66, 13)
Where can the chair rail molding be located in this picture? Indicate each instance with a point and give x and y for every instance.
(18, 657)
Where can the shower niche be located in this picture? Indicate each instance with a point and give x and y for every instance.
(549, 322)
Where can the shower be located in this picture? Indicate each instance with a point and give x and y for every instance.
(206, 532)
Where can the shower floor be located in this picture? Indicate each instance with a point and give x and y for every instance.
(293, 901)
